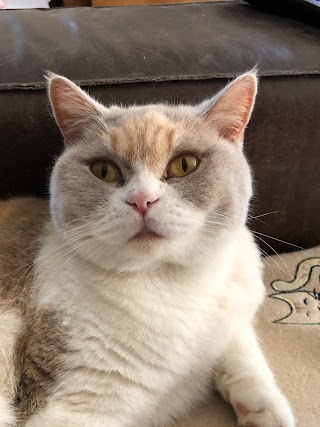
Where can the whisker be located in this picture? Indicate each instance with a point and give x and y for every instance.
(63, 243)
(91, 216)
(96, 250)
(83, 217)
(85, 231)
(80, 227)
(65, 248)
(286, 272)
(278, 240)
(28, 273)
(265, 214)
(266, 258)
(65, 257)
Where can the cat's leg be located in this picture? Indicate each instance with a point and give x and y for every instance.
(10, 324)
(245, 380)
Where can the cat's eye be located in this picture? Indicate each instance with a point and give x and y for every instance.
(183, 165)
(106, 171)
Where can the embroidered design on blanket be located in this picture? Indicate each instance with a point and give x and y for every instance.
(302, 294)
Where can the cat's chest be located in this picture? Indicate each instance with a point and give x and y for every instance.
(135, 338)
(122, 324)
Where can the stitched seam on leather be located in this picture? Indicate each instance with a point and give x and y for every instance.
(108, 82)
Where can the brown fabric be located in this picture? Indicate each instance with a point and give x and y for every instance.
(289, 336)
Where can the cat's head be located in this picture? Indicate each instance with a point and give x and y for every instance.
(140, 185)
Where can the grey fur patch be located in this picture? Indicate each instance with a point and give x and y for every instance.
(38, 360)
(42, 340)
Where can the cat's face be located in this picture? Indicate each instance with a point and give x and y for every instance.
(140, 185)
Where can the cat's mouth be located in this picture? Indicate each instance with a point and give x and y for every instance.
(146, 234)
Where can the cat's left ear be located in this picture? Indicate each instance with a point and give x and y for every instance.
(230, 110)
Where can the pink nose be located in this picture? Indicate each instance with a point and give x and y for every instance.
(141, 202)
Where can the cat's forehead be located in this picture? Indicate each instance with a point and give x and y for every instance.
(147, 136)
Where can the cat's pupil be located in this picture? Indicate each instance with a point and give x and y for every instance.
(184, 164)
(104, 170)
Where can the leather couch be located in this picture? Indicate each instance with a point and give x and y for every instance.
(174, 53)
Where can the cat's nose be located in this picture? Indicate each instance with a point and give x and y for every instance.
(142, 201)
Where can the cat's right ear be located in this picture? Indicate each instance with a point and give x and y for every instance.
(73, 109)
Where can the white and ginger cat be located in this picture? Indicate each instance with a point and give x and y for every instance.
(136, 295)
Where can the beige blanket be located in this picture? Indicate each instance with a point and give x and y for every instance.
(289, 328)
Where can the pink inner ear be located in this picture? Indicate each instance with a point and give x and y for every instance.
(235, 131)
(59, 96)
(231, 113)
(71, 106)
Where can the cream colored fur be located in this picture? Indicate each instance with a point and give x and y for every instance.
(10, 328)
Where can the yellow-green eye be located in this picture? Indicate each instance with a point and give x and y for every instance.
(183, 165)
(106, 171)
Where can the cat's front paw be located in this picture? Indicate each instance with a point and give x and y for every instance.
(258, 406)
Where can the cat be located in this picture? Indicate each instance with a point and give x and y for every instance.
(129, 297)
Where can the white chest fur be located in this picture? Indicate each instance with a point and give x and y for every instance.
(142, 346)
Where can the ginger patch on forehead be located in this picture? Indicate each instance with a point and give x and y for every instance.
(147, 138)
